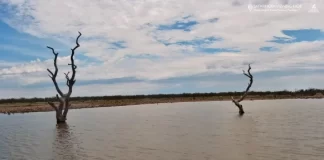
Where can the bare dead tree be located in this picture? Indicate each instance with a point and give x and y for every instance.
(63, 107)
(237, 102)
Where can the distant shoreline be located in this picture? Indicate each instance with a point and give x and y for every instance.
(26, 107)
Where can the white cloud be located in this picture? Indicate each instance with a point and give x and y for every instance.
(135, 22)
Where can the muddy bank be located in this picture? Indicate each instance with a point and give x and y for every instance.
(11, 108)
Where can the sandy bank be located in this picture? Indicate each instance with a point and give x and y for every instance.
(10, 108)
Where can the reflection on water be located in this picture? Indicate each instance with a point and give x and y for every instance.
(284, 129)
(63, 145)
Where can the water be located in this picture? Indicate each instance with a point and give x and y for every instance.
(270, 130)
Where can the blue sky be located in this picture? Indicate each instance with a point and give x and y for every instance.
(21, 47)
(160, 47)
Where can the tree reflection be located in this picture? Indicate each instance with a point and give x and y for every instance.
(63, 145)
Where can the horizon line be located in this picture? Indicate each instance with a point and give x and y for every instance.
(129, 95)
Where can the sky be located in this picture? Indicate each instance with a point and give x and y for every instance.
(151, 47)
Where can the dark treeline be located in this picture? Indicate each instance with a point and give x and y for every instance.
(301, 92)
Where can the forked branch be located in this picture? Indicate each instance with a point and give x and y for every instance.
(237, 102)
(67, 79)
(63, 98)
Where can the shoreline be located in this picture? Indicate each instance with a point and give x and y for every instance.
(13, 108)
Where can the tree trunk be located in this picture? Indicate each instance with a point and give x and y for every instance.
(241, 111)
(239, 106)
(60, 119)
(61, 110)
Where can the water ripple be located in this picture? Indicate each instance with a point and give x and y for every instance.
(284, 129)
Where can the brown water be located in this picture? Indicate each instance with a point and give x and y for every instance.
(270, 130)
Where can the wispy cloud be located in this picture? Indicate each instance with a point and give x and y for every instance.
(153, 41)
(184, 24)
(301, 35)
(196, 42)
(269, 49)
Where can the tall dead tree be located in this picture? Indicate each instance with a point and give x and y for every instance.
(63, 107)
(237, 102)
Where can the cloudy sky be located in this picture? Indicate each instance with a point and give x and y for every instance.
(160, 46)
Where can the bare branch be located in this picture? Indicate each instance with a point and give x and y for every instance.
(237, 102)
(50, 72)
(52, 50)
(53, 105)
(249, 85)
(72, 55)
(73, 66)
(246, 74)
(53, 75)
(67, 79)
(67, 75)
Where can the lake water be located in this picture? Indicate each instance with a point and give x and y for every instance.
(270, 130)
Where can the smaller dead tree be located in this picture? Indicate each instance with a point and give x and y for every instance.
(237, 102)
(63, 107)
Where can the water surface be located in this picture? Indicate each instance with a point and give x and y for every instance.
(270, 130)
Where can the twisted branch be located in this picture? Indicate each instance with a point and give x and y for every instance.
(53, 75)
(249, 75)
(237, 102)
(67, 78)
(73, 66)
